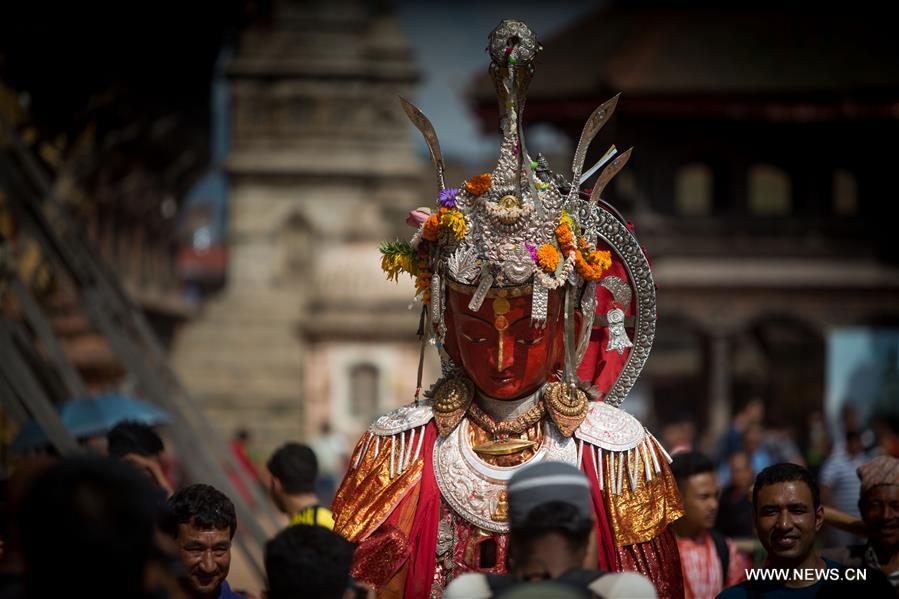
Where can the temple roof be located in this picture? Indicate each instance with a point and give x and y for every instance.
(705, 50)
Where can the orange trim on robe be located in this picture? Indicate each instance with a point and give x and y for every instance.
(368, 495)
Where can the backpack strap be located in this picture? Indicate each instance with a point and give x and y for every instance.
(723, 554)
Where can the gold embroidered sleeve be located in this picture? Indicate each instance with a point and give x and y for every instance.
(381, 473)
(640, 492)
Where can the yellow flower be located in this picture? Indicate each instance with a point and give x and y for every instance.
(600, 259)
(390, 264)
(454, 222)
(396, 259)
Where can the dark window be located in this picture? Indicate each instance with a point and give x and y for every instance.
(769, 191)
(693, 189)
(845, 193)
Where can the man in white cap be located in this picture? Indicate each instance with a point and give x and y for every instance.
(550, 521)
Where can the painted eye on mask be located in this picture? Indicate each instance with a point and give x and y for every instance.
(474, 339)
(534, 341)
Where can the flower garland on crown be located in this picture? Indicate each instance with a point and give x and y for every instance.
(414, 257)
(554, 260)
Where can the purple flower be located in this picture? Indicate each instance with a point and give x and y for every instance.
(447, 197)
(533, 251)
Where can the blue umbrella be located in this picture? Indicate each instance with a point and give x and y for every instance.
(90, 416)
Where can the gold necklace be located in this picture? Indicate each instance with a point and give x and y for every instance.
(504, 432)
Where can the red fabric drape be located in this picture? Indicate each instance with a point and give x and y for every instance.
(598, 366)
(659, 560)
(423, 536)
(608, 559)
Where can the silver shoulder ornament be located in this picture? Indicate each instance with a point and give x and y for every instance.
(400, 432)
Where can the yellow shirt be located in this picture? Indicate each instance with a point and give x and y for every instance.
(314, 514)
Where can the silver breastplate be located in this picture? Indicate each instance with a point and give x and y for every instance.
(472, 487)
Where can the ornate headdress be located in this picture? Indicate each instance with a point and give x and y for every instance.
(524, 230)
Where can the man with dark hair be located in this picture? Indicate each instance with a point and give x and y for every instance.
(294, 468)
(709, 561)
(550, 522)
(203, 522)
(140, 445)
(309, 561)
(133, 437)
(87, 529)
(787, 514)
(734, 506)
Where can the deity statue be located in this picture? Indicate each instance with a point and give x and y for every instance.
(541, 303)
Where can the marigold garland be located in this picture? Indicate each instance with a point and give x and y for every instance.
(548, 257)
(594, 265)
(477, 185)
(590, 264)
(423, 284)
(565, 238)
(601, 259)
(398, 257)
(432, 225)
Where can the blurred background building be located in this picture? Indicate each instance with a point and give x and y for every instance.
(321, 169)
(236, 165)
(192, 197)
(759, 186)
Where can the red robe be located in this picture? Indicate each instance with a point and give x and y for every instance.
(396, 524)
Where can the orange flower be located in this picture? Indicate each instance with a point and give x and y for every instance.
(479, 184)
(423, 285)
(565, 238)
(585, 270)
(548, 257)
(600, 260)
(432, 225)
(592, 267)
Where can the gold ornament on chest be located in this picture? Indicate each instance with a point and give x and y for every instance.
(506, 433)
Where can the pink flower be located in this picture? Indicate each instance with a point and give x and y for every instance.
(417, 217)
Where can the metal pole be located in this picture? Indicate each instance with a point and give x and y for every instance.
(12, 403)
(21, 378)
(41, 326)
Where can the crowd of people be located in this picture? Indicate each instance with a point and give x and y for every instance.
(850, 504)
(115, 527)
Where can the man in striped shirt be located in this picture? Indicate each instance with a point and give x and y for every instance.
(840, 485)
(709, 561)
(294, 468)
